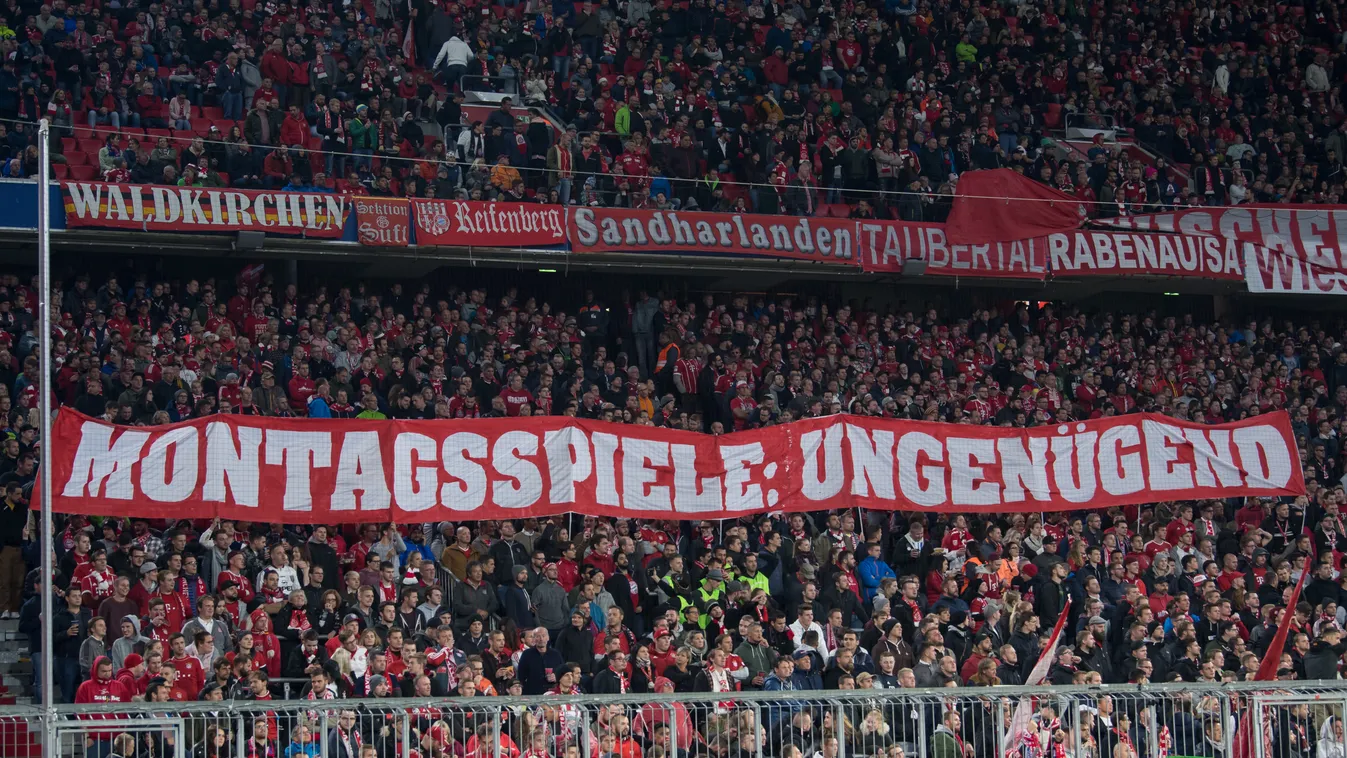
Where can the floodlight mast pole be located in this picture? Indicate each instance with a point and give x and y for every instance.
(46, 539)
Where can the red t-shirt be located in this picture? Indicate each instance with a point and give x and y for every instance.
(514, 399)
(190, 676)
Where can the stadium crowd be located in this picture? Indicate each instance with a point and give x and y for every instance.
(210, 610)
(768, 106)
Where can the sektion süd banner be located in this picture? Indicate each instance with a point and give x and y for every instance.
(382, 221)
(482, 224)
(327, 471)
(199, 209)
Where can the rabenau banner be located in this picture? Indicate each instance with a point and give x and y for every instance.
(312, 471)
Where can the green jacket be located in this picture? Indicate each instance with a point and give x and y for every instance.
(362, 134)
(758, 658)
(944, 744)
(622, 120)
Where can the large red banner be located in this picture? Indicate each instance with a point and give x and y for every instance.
(199, 209)
(995, 205)
(382, 221)
(885, 245)
(1117, 253)
(830, 240)
(482, 224)
(1299, 249)
(312, 471)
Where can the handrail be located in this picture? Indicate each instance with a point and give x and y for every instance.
(1159, 691)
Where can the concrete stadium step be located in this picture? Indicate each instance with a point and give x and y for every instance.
(16, 665)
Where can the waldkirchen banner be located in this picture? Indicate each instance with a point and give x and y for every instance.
(354, 470)
(204, 209)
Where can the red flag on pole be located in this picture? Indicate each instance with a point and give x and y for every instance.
(1267, 672)
(1019, 723)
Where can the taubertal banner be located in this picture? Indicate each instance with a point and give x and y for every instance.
(329, 471)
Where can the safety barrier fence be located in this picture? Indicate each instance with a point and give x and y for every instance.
(1298, 720)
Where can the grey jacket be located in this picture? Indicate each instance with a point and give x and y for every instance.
(549, 600)
(90, 650)
(252, 79)
(468, 600)
(124, 646)
(643, 316)
(219, 629)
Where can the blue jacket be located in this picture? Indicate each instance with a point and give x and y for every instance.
(426, 553)
(872, 572)
(811, 681)
(660, 184)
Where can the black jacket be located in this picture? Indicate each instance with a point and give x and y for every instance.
(607, 682)
(65, 645)
(577, 646)
(1322, 660)
(508, 555)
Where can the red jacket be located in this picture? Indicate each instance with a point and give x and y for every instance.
(774, 69)
(299, 73)
(128, 680)
(106, 101)
(276, 67)
(276, 166)
(97, 690)
(150, 106)
(300, 390)
(295, 131)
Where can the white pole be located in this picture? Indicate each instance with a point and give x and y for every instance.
(45, 539)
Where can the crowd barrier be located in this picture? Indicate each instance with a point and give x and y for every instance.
(1297, 720)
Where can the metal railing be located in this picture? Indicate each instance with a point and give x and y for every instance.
(1290, 720)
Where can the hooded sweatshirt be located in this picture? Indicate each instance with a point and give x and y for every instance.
(124, 646)
(128, 677)
(98, 690)
(265, 643)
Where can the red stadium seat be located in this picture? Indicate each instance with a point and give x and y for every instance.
(83, 173)
(77, 158)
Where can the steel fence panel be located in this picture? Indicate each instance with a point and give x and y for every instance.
(21, 733)
(1291, 724)
(1002, 722)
